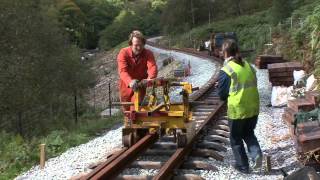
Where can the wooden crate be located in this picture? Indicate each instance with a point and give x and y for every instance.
(262, 61)
(301, 104)
(308, 136)
(281, 74)
(284, 67)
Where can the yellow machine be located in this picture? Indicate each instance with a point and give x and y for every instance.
(162, 118)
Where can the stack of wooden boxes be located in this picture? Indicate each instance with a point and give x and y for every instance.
(281, 74)
(306, 135)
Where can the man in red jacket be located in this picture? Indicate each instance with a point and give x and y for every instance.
(134, 64)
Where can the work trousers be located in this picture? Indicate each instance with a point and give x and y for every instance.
(243, 130)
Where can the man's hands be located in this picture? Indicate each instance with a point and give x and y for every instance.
(134, 85)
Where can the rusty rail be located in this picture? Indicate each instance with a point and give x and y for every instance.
(177, 158)
(118, 162)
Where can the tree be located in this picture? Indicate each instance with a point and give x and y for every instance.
(84, 19)
(182, 15)
(99, 14)
(281, 9)
(141, 15)
(39, 68)
(74, 21)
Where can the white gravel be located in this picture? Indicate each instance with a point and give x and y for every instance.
(77, 160)
(202, 69)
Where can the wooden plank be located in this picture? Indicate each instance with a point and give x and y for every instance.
(262, 61)
(282, 67)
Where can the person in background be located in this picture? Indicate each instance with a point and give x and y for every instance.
(237, 84)
(135, 63)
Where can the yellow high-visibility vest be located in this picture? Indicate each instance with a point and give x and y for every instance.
(243, 99)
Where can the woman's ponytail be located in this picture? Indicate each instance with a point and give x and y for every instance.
(231, 48)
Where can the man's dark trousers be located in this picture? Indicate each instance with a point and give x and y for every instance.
(243, 129)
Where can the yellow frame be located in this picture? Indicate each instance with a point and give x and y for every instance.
(178, 114)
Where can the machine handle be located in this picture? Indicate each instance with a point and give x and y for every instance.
(157, 81)
(158, 107)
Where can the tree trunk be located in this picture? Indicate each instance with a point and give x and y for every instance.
(192, 13)
(238, 7)
(75, 108)
(19, 124)
(109, 88)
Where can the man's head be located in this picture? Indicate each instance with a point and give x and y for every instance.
(136, 42)
(230, 48)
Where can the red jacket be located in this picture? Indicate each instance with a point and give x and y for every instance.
(130, 67)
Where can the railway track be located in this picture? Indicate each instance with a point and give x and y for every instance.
(167, 160)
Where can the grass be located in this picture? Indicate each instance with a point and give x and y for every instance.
(18, 154)
(119, 46)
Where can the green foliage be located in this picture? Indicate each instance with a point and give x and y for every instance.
(119, 30)
(252, 31)
(304, 8)
(40, 70)
(118, 3)
(55, 142)
(88, 22)
(300, 40)
(182, 15)
(59, 141)
(281, 9)
(18, 154)
(298, 37)
(158, 4)
(313, 22)
(73, 19)
(313, 27)
(99, 15)
(140, 15)
(84, 19)
(14, 154)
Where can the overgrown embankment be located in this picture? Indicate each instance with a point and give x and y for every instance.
(295, 37)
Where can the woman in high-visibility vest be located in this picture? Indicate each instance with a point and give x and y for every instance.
(237, 84)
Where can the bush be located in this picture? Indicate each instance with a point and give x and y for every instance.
(313, 27)
(281, 9)
(18, 154)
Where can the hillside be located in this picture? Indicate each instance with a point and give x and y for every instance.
(293, 37)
